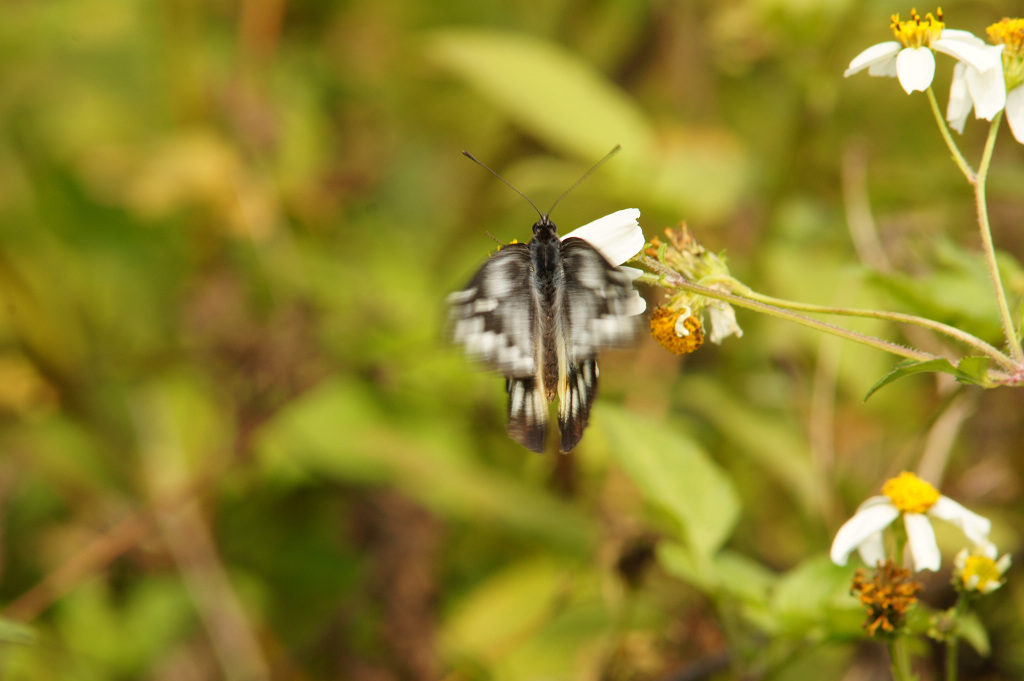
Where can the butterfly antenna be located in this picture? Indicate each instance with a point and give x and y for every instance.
(510, 185)
(585, 176)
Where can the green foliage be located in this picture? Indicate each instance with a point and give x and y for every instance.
(234, 445)
(972, 370)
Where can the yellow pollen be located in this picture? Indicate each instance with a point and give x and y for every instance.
(678, 331)
(909, 493)
(979, 571)
(918, 32)
(1009, 32)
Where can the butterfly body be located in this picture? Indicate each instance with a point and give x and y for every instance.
(538, 313)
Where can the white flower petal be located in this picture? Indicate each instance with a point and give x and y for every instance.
(872, 550)
(723, 322)
(921, 538)
(987, 89)
(617, 236)
(959, 99)
(962, 36)
(1015, 112)
(982, 57)
(976, 527)
(873, 516)
(988, 549)
(915, 67)
(877, 58)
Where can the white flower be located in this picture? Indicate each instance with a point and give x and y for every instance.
(618, 238)
(988, 92)
(1015, 112)
(915, 500)
(911, 59)
(984, 91)
(978, 570)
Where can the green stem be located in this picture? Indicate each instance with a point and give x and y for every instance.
(952, 640)
(938, 327)
(952, 651)
(989, 248)
(901, 669)
(958, 157)
(670, 279)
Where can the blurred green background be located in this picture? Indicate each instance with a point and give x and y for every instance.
(233, 444)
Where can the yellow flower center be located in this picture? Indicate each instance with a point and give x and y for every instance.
(1010, 32)
(677, 330)
(909, 493)
(979, 571)
(918, 32)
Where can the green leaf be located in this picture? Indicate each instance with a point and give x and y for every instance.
(674, 473)
(15, 632)
(548, 90)
(814, 599)
(775, 445)
(339, 431)
(973, 631)
(972, 370)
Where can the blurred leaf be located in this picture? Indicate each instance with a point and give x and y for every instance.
(118, 637)
(339, 431)
(973, 631)
(673, 472)
(522, 621)
(562, 99)
(15, 632)
(770, 442)
(970, 370)
(810, 600)
(958, 292)
(505, 607)
(732, 575)
(552, 92)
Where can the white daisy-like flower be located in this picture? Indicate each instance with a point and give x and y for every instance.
(983, 91)
(911, 497)
(990, 92)
(618, 237)
(910, 57)
(978, 569)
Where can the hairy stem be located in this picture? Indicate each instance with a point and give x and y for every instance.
(989, 248)
(938, 327)
(958, 157)
(670, 279)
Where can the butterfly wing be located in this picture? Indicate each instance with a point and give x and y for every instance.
(597, 309)
(496, 319)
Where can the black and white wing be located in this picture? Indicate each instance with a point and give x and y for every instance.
(496, 319)
(598, 309)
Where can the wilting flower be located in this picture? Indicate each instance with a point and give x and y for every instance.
(911, 497)
(685, 255)
(910, 57)
(978, 570)
(677, 329)
(887, 596)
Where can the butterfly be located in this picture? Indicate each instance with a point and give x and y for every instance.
(539, 312)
